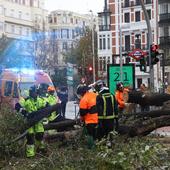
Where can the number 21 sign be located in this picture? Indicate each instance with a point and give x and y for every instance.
(128, 76)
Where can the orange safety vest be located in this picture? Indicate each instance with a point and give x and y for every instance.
(119, 98)
(88, 110)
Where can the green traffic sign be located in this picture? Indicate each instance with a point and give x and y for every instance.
(128, 76)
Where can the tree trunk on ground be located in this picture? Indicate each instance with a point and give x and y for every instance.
(64, 136)
(150, 99)
(142, 128)
(62, 125)
(36, 116)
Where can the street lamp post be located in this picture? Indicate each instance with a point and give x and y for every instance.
(120, 40)
(151, 69)
(93, 52)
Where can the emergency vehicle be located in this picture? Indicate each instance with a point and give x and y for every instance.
(15, 83)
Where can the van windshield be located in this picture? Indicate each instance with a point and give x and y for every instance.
(24, 88)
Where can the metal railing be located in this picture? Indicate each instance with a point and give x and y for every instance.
(164, 16)
(164, 40)
(104, 27)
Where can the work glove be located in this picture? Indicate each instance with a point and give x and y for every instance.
(47, 104)
(23, 112)
(17, 107)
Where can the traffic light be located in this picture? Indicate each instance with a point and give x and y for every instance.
(143, 64)
(154, 54)
(90, 69)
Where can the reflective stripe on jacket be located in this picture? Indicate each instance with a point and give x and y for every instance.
(88, 110)
(107, 106)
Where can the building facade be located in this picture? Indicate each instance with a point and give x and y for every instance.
(66, 29)
(164, 35)
(22, 21)
(128, 17)
(21, 17)
(104, 35)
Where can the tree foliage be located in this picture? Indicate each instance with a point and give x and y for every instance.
(82, 53)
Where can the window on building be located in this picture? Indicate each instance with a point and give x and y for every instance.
(64, 19)
(20, 30)
(139, 82)
(64, 33)
(12, 13)
(55, 19)
(163, 8)
(71, 20)
(12, 28)
(127, 60)
(1, 10)
(149, 13)
(1, 26)
(8, 88)
(27, 31)
(137, 2)
(127, 17)
(108, 43)
(148, 1)
(20, 15)
(126, 3)
(104, 42)
(73, 34)
(137, 16)
(138, 41)
(65, 46)
(50, 19)
(127, 42)
(100, 43)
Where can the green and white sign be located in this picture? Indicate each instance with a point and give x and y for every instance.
(70, 72)
(128, 76)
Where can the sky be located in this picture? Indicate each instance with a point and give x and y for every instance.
(80, 6)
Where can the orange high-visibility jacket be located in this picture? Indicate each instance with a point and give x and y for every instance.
(88, 110)
(119, 98)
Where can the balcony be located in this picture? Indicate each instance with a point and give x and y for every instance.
(164, 40)
(164, 18)
(130, 49)
(104, 27)
(137, 3)
(162, 1)
(148, 2)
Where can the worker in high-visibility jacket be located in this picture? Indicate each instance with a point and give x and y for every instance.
(119, 96)
(52, 100)
(107, 110)
(35, 133)
(88, 112)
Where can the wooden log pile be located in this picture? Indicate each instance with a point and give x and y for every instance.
(143, 123)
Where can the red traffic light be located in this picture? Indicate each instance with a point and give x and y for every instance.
(90, 68)
(154, 48)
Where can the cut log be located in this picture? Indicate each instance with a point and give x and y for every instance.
(36, 116)
(145, 127)
(63, 125)
(150, 99)
(62, 136)
(154, 113)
